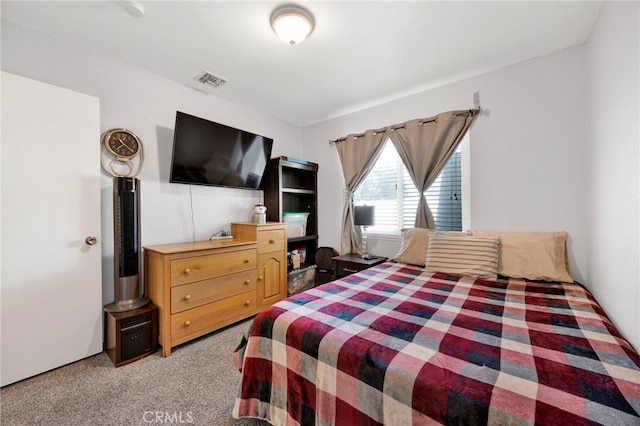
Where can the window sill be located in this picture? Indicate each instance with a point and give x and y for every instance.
(385, 236)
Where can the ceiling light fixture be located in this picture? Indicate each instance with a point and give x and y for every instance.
(292, 23)
(133, 8)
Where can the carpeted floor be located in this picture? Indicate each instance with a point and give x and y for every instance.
(196, 385)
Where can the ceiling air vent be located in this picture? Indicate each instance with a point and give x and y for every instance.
(208, 79)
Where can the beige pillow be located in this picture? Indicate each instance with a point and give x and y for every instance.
(470, 256)
(533, 255)
(414, 244)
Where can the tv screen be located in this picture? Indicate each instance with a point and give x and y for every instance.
(208, 153)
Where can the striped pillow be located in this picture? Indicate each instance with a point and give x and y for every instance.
(470, 256)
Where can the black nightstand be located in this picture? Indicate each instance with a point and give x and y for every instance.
(350, 263)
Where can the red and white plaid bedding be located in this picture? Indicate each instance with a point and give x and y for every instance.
(395, 345)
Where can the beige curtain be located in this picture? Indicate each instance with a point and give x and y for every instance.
(357, 154)
(425, 146)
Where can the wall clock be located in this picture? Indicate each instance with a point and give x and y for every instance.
(121, 146)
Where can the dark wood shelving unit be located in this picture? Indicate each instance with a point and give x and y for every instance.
(291, 186)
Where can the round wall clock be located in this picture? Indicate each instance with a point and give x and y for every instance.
(122, 145)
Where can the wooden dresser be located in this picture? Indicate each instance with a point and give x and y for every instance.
(202, 286)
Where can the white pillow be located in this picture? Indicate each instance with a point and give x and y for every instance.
(469, 256)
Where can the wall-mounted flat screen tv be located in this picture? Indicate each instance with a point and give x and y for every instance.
(209, 153)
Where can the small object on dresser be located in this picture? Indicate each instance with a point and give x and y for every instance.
(258, 214)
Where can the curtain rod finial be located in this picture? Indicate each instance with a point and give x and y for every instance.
(476, 101)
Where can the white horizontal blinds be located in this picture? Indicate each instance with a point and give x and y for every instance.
(445, 196)
(389, 188)
(410, 201)
(465, 174)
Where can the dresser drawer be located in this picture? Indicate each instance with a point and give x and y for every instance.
(271, 240)
(203, 319)
(198, 268)
(200, 293)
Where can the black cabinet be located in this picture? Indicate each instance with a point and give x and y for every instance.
(291, 187)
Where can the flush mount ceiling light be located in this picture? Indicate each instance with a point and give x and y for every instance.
(133, 8)
(292, 23)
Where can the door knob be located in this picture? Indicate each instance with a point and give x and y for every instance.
(91, 240)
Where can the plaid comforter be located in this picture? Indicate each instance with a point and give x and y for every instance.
(395, 345)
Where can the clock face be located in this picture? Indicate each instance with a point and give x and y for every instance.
(122, 143)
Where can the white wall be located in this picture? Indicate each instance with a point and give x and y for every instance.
(557, 148)
(613, 158)
(527, 150)
(146, 103)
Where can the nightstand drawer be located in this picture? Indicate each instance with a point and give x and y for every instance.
(348, 268)
(351, 263)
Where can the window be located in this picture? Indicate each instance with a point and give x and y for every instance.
(389, 188)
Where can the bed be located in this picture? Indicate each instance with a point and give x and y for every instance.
(402, 344)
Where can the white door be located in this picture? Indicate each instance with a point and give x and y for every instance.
(50, 202)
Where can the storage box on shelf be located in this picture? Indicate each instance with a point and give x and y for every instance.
(296, 223)
(301, 279)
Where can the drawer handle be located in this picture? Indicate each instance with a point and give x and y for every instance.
(187, 271)
(247, 303)
(187, 297)
(271, 241)
(260, 278)
(187, 323)
(247, 261)
(247, 282)
(350, 270)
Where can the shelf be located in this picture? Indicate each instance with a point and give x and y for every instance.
(298, 191)
(303, 266)
(291, 186)
(292, 163)
(304, 238)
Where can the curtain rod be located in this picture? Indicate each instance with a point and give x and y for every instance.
(472, 112)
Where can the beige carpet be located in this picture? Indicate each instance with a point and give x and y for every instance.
(197, 385)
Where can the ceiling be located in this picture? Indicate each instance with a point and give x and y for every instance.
(360, 53)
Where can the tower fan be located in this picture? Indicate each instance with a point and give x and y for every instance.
(127, 245)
